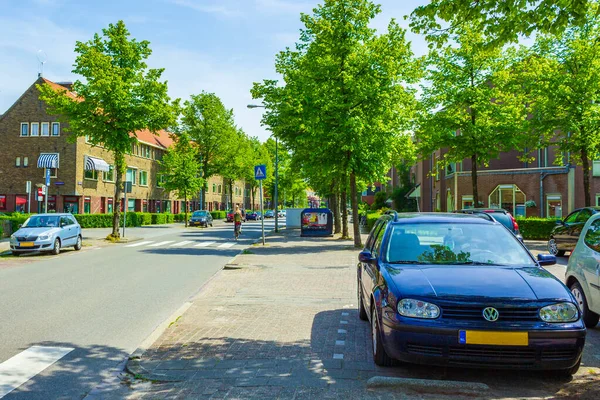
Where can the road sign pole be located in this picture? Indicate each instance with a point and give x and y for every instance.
(124, 209)
(262, 220)
(47, 190)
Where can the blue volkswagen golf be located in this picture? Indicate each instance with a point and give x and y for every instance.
(461, 290)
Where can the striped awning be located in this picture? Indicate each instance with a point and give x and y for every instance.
(48, 160)
(96, 164)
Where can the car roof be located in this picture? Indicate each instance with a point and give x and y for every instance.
(408, 218)
(52, 215)
(484, 209)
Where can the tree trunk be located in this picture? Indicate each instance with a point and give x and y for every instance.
(203, 196)
(335, 208)
(185, 209)
(119, 166)
(253, 199)
(474, 180)
(355, 217)
(585, 163)
(343, 202)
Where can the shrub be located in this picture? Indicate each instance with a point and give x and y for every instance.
(536, 228)
(170, 218)
(380, 199)
(372, 217)
(158, 219)
(15, 219)
(218, 214)
(94, 220)
(180, 217)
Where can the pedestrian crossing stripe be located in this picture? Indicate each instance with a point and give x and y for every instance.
(161, 243)
(226, 245)
(138, 244)
(179, 244)
(204, 244)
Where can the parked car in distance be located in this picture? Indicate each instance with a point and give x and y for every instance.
(201, 218)
(457, 289)
(566, 233)
(269, 214)
(46, 233)
(230, 216)
(583, 272)
(281, 214)
(254, 216)
(500, 215)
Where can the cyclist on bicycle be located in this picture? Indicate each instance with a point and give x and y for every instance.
(237, 221)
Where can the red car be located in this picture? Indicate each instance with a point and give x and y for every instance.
(230, 216)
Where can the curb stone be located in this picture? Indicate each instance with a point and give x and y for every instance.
(134, 365)
(426, 385)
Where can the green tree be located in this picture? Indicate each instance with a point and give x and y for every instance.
(118, 96)
(258, 155)
(181, 170)
(208, 123)
(500, 20)
(472, 112)
(565, 84)
(346, 102)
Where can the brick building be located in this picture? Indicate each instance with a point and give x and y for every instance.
(82, 177)
(537, 188)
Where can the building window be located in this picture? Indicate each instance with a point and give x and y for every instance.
(554, 206)
(467, 201)
(214, 188)
(24, 129)
(438, 204)
(109, 176)
(91, 174)
(35, 129)
(147, 155)
(130, 204)
(596, 168)
(449, 202)
(160, 180)
(53, 173)
(131, 176)
(219, 189)
(508, 197)
(18, 162)
(45, 128)
(109, 205)
(143, 178)
(56, 129)
(450, 169)
(437, 168)
(597, 199)
(87, 205)
(2, 202)
(26, 161)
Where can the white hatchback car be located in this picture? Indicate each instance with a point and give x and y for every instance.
(583, 272)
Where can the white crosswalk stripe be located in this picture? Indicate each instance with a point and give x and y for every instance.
(161, 243)
(204, 244)
(226, 245)
(138, 244)
(181, 244)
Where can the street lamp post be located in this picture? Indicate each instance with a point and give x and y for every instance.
(275, 189)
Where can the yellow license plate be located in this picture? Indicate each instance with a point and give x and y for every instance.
(494, 338)
(26, 244)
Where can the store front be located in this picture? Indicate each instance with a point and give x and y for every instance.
(71, 204)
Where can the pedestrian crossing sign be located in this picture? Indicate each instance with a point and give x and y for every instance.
(260, 172)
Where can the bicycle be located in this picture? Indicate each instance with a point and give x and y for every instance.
(363, 221)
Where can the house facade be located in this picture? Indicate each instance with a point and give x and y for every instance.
(82, 178)
(533, 189)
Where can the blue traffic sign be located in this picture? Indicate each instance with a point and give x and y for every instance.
(260, 172)
(47, 176)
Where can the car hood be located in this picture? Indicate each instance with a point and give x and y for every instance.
(473, 282)
(28, 232)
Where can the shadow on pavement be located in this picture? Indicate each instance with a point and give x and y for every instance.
(73, 376)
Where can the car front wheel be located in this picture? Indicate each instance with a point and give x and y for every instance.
(56, 249)
(590, 318)
(362, 313)
(380, 357)
(78, 245)
(553, 248)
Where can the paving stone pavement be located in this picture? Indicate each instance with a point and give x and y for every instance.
(281, 323)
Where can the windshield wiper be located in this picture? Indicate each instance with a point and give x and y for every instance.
(475, 263)
(407, 262)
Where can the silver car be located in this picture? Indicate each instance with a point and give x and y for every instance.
(46, 233)
(583, 271)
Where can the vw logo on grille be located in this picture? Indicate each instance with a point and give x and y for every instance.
(491, 314)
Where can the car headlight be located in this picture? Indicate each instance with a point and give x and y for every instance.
(13, 237)
(44, 237)
(561, 312)
(418, 309)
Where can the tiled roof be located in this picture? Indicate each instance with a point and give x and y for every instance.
(161, 138)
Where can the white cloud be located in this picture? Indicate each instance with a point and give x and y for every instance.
(223, 8)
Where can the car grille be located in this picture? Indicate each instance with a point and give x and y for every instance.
(424, 350)
(559, 354)
(476, 313)
(491, 356)
(27, 239)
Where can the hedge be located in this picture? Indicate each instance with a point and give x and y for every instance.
(219, 214)
(536, 228)
(372, 217)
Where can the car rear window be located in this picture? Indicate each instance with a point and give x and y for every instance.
(504, 219)
(455, 244)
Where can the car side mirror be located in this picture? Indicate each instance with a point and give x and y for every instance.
(365, 256)
(19, 226)
(546, 259)
(559, 222)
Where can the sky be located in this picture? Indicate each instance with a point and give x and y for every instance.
(218, 46)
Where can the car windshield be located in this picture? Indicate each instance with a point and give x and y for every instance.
(455, 244)
(199, 214)
(41, 221)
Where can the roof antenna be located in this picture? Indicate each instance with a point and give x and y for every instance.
(42, 57)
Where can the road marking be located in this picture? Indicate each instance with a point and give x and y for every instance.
(226, 245)
(204, 244)
(338, 356)
(184, 243)
(345, 314)
(19, 369)
(340, 342)
(138, 244)
(161, 243)
(342, 331)
(344, 322)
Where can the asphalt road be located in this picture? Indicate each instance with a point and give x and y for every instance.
(104, 301)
